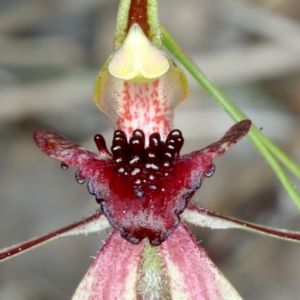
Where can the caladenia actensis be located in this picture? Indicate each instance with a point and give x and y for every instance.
(143, 186)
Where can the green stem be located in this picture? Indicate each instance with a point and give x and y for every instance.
(265, 147)
(288, 162)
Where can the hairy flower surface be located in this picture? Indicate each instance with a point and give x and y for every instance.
(143, 185)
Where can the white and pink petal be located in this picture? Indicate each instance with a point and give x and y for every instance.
(93, 224)
(204, 218)
(114, 273)
(192, 275)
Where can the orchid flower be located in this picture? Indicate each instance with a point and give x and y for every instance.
(143, 185)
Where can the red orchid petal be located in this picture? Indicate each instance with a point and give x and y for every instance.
(192, 275)
(155, 213)
(231, 137)
(93, 224)
(202, 160)
(204, 218)
(88, 162)
(151, 208)
(114, 273)
(56, 146)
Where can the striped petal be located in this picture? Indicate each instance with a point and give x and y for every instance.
(192, 275)
(114, 273)
(148, 106)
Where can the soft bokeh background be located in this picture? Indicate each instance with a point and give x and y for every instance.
(50, 53)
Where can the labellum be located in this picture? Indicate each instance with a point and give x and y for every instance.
(142, 191)
(143, 185)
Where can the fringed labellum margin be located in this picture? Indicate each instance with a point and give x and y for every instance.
(142, 191)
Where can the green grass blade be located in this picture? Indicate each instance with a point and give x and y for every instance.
(265, 147)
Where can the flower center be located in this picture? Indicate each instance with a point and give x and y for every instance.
(142, 189)
(145, 166)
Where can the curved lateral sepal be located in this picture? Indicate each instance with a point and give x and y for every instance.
(93, 224)
(202, 217)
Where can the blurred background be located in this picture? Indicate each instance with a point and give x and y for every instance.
(50, 54)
